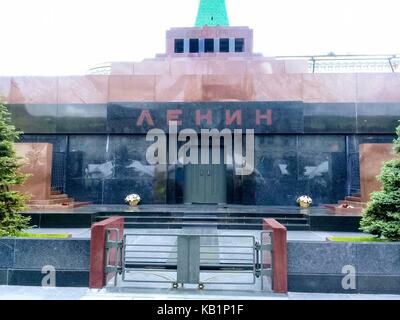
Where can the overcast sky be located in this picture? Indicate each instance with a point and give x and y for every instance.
(58, 37)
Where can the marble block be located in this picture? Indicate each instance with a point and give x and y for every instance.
(372, 158)
(378, 87)
(178, 88)
(31, 90)
(37, 159)
(227, 88)
(329, 88)
(83, 89)
(125, 88)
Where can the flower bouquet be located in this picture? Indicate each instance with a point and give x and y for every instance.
(132, 200)
(304, 201)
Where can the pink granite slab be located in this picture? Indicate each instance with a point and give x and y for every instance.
(378, 87)
(131, 88)
(33, 90)
(37, 162)
(178, 88)
(227, 66)
(83, 89)
(278, 87)
(227, 88)
(188, 66)
(329, 87)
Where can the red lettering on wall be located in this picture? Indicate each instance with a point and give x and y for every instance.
(145, 115)
(173, 115)
(200, 117)
(266, 116)
(236, 116)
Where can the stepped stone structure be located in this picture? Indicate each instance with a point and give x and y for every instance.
(37, 160)
(308, 127)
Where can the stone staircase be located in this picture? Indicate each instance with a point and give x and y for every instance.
(352, 205)
(209, 218)
(58, 200)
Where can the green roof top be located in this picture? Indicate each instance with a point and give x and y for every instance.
(212, 13)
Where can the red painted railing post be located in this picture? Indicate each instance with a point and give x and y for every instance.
(279, 255)
(97, 275)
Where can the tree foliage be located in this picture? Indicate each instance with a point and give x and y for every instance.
(11, 202)
(382, 216)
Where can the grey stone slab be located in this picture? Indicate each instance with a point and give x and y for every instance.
(326, 283)
(25, 277)
(318, 296)
(6, 253)
(379, 284)
(3, 276)
(60, 253)
(41, 293)
(320, 257)
(64, 278)
(380, 258)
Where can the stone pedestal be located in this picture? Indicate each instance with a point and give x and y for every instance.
(372, 158)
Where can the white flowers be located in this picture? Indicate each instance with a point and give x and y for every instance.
(132, 199)
(304, 201)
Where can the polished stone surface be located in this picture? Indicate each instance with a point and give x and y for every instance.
(377, 259)
(377, 117)
(37, 164)
(314, 258)
(372, 159)
(65, 255)
(129, 117)
(330, 117)
(82, 118)
(6, 253)
(301, 148)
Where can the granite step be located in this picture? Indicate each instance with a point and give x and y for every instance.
(353, 198)
(58, 196)
(50, 201)
(356, 204)
(234, 226)
(141, 220)
(335, 208)
(257, 221)
(202, 213)
(70, 205)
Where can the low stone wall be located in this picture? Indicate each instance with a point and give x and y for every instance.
(312, 266)
(322, 266)
(23, 260)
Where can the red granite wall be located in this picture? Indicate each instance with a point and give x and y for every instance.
(210, 87)
(372, 158)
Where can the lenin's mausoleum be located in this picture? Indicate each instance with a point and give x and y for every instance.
(308, 126)
(319, 127)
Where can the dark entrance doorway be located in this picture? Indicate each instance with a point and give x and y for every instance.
(205, 183)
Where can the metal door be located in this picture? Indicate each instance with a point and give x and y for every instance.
(205, 183)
